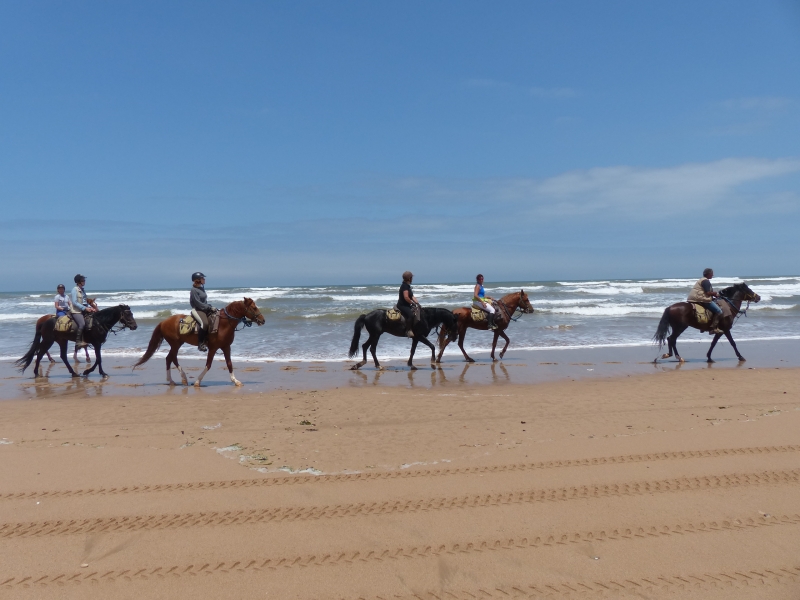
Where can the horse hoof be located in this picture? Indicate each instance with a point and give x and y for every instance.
(197, 384)
(75, 376)
(742, 359)
(680, 360)
(355, 367)
(412, 368)
(237, 383)
(666, 356)
(710, 360)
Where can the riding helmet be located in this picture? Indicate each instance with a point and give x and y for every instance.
(78, 278)
(197, 275)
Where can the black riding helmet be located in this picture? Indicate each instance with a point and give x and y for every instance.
(197, 275)
(78, 278)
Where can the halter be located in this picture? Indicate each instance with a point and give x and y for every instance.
(740, 311)
(245, 321)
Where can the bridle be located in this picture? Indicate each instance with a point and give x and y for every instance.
(246, 321)
(739, 312)
(518, 309)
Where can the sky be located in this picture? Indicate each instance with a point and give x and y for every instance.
(304, 143)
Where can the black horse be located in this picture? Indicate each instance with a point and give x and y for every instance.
(680, 316)
(377, 323)
(46, 334)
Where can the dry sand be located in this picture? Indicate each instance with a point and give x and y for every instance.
(680, 485)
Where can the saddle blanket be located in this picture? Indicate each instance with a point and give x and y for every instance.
(65, 323)
(187, 325)
(704, 315)
(393, 314)
(478, 314)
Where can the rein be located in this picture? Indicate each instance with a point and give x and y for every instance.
(510, 317)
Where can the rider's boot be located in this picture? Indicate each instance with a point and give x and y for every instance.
(714, 327)
(201, 340)
(410, 326)
(490, 319)
(79, 343)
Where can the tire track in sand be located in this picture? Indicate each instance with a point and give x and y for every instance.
(306, 479)
(308, 513)
(349, 557)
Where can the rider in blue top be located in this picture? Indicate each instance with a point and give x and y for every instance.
(62, 302)
(479, 301)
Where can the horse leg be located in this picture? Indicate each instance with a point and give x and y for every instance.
(226, 352)
(427, 342)
(94, 366)
(65, 358)
(98, 364)
(461, 335)
(713, 343)
(209, 360)
(50, 358)
(503, 335)
(173, 352)
(372, 347)
(672, 340)
(361, 363)
(411, 356)
(733, 344)
(494, 344)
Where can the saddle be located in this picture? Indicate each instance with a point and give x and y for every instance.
(65, 324)
(393, 314)
(478, 314)
(704, 315)
(187, 325)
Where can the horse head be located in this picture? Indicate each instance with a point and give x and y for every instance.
(126, 317)
(524, 303)
(252, 312)
(747, 294)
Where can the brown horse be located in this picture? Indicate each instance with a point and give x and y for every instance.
(234, 314)
(682, 315)
(508, 305)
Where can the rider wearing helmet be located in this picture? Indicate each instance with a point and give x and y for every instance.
(703, 294)
(80, 306)
(201, 309)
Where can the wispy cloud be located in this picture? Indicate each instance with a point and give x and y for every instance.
(758, 103)
(553, 92)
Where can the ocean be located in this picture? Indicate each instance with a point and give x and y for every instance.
(316, 323)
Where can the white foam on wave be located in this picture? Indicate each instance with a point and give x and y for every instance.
(20, 316)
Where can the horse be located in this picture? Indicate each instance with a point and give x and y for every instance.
(377, 323)
(41, 321)
(509, 305)
(682, 315)
(46, 335)
(240, 312)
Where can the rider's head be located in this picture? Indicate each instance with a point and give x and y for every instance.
(198, 278)
(708, 273)
(479, 278)
(407, 277)
(61, 289)
(79, 279)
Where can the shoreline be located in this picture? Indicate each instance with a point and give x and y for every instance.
(518, 367)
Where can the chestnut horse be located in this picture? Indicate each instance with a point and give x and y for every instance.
(235, 313)
(508, 305)
(681, 316)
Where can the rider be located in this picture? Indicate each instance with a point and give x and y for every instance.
(62, 301)
(479, 301)
(201, 309)
(407, 304)
(80, 306)
(703, 294)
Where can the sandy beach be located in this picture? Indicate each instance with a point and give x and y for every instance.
(675, 484)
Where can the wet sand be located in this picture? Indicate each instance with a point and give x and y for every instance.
(518, 367)
(678, 484)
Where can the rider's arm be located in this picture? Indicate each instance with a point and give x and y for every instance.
(198, 304)
(409, 299)
(708, 289)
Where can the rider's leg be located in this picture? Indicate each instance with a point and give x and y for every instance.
(202, 334)
(81, 323)
(716, 312)
(408, 316)
(490, 316)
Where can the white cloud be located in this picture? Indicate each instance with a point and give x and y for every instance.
(624, 188)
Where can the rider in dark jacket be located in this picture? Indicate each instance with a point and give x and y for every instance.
(407, 303)
(201, 309)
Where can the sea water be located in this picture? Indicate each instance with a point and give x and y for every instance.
(316, 323)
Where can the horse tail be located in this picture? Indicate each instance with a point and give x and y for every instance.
(663, 329)
(155, 344)
(357, 335)
(24, 362)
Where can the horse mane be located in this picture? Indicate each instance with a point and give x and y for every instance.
(728, 292)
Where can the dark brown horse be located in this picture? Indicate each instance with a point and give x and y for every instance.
(508, 305)
(236, 313)
(681, 316)
(45, 318)
(46, 335)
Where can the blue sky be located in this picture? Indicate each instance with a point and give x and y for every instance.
(319, 142)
